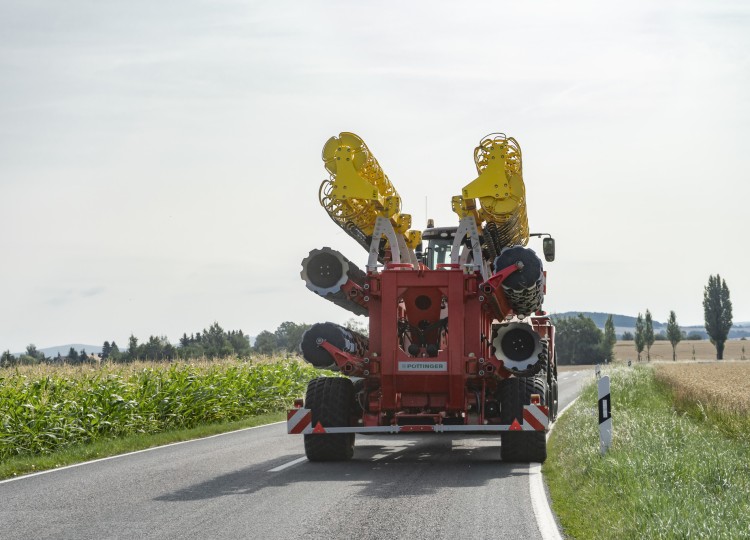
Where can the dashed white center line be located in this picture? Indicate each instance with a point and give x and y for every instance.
(287, 465)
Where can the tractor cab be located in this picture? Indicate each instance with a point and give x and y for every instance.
(439, 242)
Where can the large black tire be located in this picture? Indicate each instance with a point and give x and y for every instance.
(553, 401)
(522, 446)
(331, 400)
(552, 396)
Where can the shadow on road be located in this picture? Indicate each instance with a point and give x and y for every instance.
(382, 468)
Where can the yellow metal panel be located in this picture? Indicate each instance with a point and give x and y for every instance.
(499, 188)
(358, 191)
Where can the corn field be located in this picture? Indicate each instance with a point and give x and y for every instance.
(43, 409)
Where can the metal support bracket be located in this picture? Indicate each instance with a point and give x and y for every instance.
(468, 226)
(397, 242)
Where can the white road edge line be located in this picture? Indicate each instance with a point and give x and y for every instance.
(287, 465)
(545, 520)
(135, 452)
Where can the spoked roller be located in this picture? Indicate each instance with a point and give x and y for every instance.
(329, 274)
(519, 347)
(524, 288)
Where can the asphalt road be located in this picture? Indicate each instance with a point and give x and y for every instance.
(256, 483)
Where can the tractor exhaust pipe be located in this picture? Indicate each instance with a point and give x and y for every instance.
(329, 274)
(519, 347)
(342, 338)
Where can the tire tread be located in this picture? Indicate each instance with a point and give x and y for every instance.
(330, 399)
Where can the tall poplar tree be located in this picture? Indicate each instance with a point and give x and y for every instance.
(648, 334)
(640, 337)
(132, 353)
(674, 334)
(717, 312)
(609, 339)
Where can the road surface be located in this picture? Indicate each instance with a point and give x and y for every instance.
(256, 483)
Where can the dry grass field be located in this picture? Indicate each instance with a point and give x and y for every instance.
(709, 383)
(704, 350)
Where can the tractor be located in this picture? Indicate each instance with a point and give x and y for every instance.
(457, 339)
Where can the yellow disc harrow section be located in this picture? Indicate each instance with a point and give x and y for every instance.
(358, 191)
(499, 189)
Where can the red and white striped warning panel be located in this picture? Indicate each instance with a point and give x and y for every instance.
(299, 421)
(535, 418)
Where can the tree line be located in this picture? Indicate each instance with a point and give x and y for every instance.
(288, 336)
(214, 342)
(579, 341)
(211, 343)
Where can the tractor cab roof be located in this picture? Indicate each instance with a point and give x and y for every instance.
(438, 233)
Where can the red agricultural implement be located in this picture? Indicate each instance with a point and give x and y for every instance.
(458, 341)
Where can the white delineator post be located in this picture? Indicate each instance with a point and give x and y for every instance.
(605, 415)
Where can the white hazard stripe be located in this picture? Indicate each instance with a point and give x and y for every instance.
(535, 418)
(299, 421)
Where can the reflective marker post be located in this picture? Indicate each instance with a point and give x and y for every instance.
(605, 415)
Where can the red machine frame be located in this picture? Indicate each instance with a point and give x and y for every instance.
(408, 392)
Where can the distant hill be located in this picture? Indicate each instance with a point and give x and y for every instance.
(600, 318)
(626, 323)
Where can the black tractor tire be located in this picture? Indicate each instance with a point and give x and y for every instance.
(553, 399)
(331, 401)
(522, 446)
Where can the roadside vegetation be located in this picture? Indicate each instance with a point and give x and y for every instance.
(673, 471)
(579, 341)
(49, 410)
(211, 343)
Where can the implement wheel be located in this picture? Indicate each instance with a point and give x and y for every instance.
(330, 399)
(522, 446)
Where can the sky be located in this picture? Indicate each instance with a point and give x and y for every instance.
(160, 161)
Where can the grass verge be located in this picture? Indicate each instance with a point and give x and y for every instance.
(667, 475)
(79, 453)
